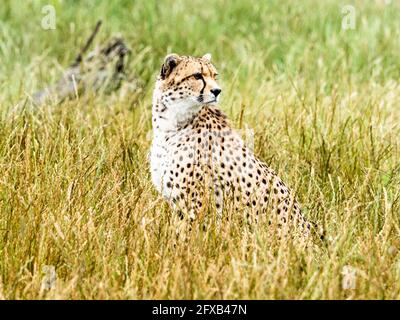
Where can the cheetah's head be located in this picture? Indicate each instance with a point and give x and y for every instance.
(186, 84)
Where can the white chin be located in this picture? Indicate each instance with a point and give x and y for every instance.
(209, 100)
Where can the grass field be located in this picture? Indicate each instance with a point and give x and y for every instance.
(324, 103)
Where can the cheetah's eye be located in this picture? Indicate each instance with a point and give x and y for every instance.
(198, 76)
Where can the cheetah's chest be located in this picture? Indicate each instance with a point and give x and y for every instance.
(168, 156)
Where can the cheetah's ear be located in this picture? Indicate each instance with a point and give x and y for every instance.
(207, 57)
(170, 62)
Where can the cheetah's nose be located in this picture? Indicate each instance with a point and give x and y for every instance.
(216, 91)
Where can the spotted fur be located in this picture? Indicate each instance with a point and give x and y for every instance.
(196, 155)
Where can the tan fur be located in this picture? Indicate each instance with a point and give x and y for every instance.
(202, 155)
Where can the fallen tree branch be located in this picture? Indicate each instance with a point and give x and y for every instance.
(78, 59)
(102, 69)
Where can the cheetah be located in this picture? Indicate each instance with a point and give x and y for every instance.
(195, 151)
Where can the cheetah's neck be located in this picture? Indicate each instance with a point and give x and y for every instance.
(167, 119)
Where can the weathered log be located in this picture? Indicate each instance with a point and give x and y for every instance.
(101, 69)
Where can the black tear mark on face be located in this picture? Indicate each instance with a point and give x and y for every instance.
(198, 76)
(204, 82)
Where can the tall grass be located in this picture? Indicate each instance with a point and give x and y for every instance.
(324, 103)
